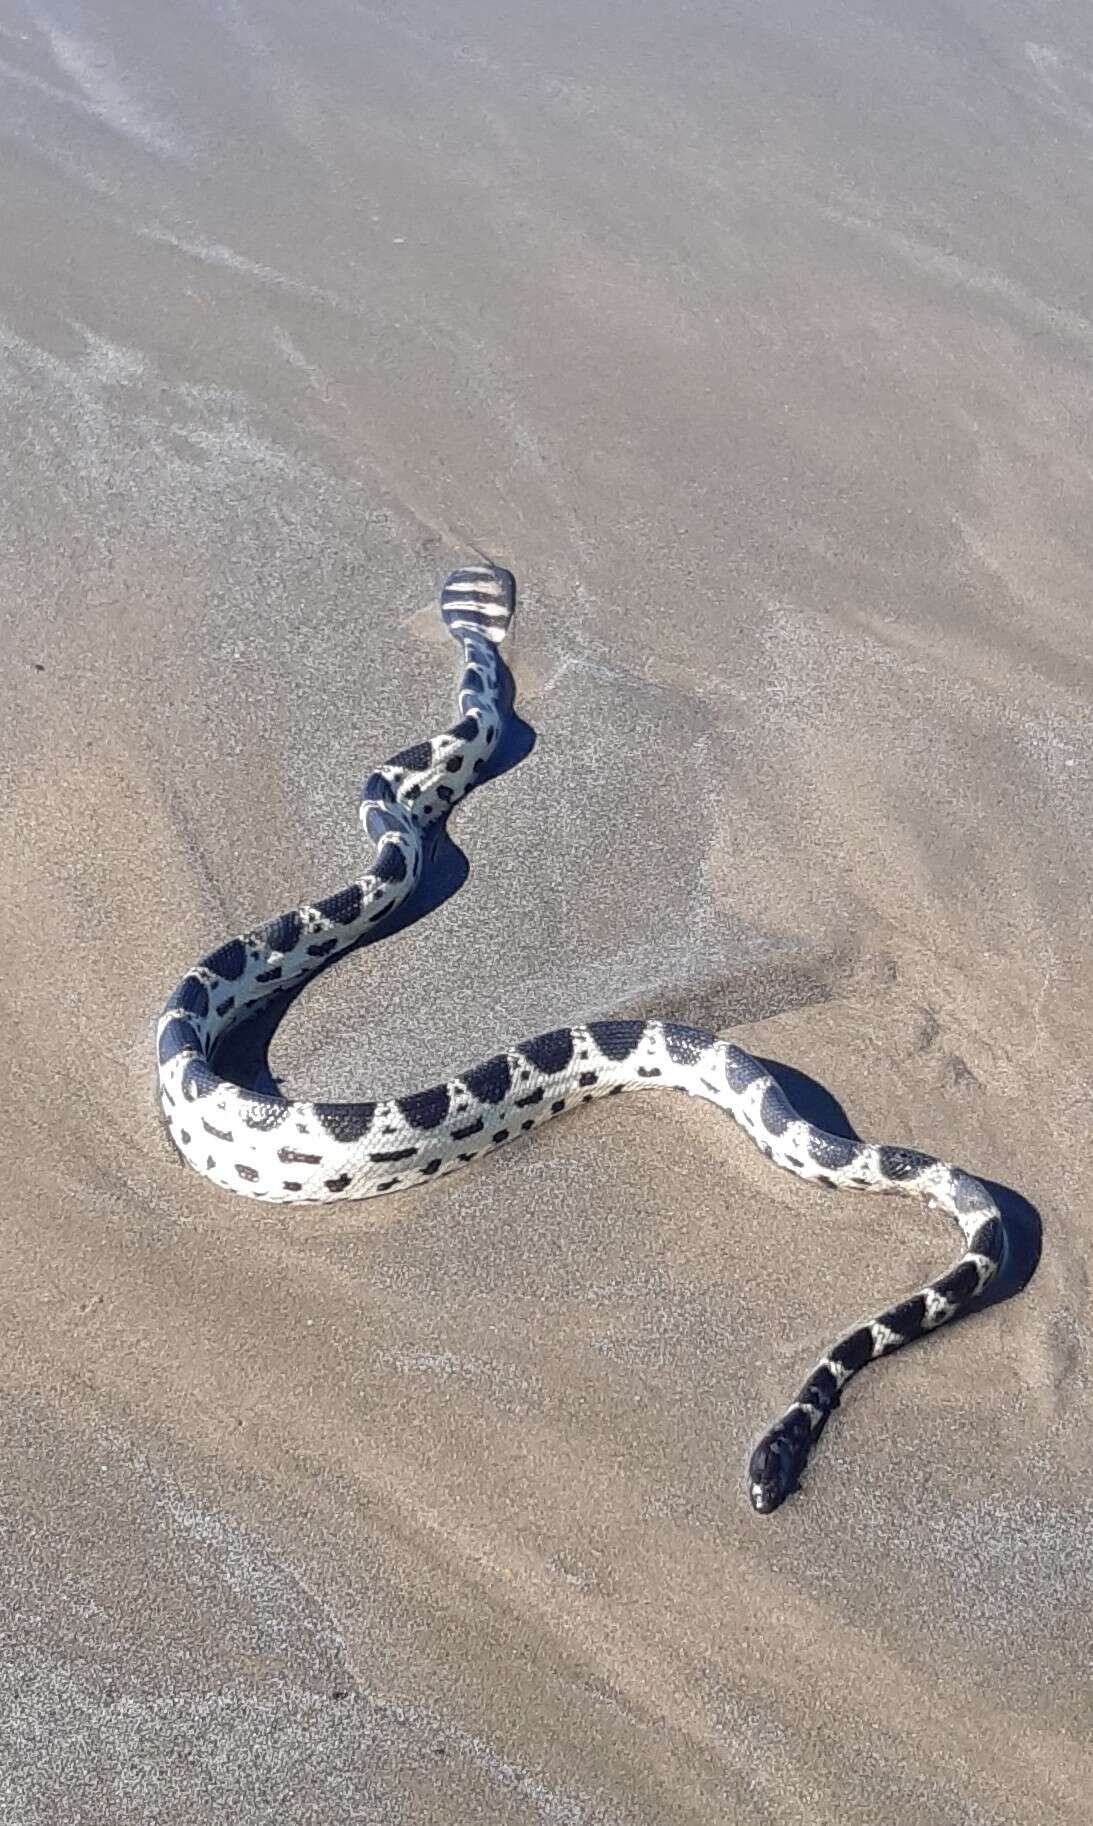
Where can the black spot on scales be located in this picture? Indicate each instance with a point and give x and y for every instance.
(549, 1052)
(489, 1082)
(342, 909)
(394, 1154)
(426, 1109)
(250, 1173)
(908, 1317)
(684, 1045)
(821, 1391)
(390, 864)
(774, 1112)
(902, 1163)
(292, 1157)
(959, 1284)
(191, 997)
(988, 1238)
(741, 1070)
(377, 790)
(855, 1351)
(413, 759)
(337, 1184)
(472, 1128)
(834, 1152)
(323, 949)
(177, 1037)
(229, 961)
(616, 1039)
(281, 934)
(346, 1122)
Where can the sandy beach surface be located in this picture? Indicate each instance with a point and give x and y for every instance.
(758, 342)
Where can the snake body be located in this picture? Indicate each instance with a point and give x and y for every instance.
(283, 1151)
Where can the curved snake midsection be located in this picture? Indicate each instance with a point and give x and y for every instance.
(286, 1151)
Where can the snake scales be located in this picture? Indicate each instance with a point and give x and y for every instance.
(267, 1147)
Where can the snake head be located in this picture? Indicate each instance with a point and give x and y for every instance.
(775, 1468)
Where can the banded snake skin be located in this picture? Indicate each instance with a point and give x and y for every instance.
(266, 1147)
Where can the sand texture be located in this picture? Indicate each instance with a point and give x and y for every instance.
(757, 340)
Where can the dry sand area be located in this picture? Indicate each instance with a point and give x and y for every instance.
(757, 341)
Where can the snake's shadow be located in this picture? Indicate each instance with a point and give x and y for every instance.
(1021, 1221)
(243, 1054)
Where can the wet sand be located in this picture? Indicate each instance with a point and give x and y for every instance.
(760, 349)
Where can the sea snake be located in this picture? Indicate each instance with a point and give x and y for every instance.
(289, 1152)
